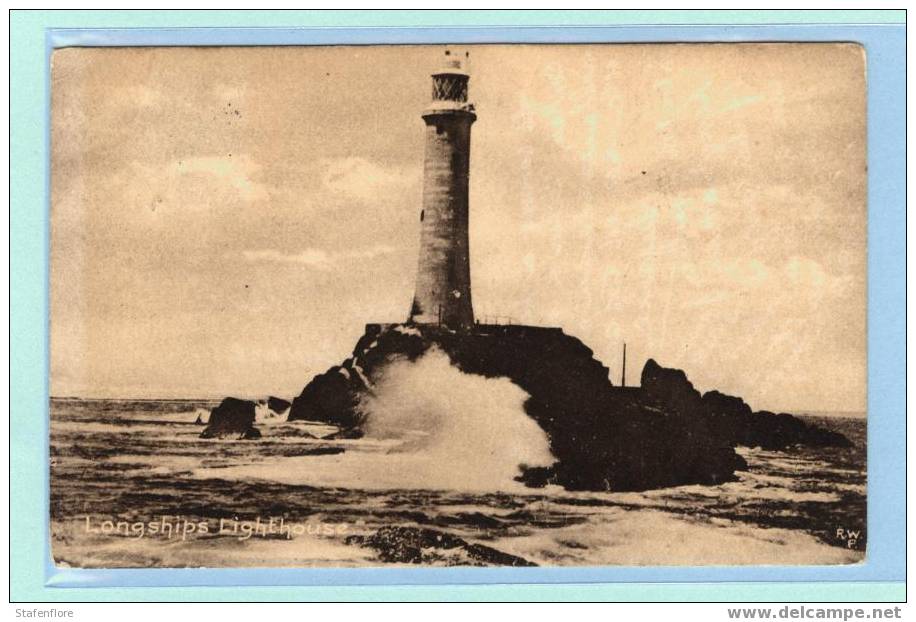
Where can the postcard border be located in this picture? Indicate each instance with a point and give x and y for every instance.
(885, 564)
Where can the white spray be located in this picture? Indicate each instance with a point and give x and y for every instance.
(454, 430)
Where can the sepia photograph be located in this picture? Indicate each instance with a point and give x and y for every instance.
(562, 305)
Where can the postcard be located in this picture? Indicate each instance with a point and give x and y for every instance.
(469, 305)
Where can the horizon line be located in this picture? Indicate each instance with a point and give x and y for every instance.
(858, 414)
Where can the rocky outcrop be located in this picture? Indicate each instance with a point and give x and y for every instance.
(668, 387)
(232, 418)
(780, 431)
(729, 419)
(665, 433)
(331, 397)
(413, 545)
(278, 405)
(602, 438)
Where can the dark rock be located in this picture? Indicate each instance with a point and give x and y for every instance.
(724, 405)
(537, 477)
(478, 520)
(816, 436)
(413, 545)
(604, 438)
(233, 417)
(331, 397)
(250, 434)
(728, 420)
(664, 433)
(278, 405)
(727, 416)
(781, 431)
(669, 388)
(344, 434)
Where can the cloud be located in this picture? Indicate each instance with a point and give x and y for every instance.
(237, 171)
(364, 180)
(317, 258)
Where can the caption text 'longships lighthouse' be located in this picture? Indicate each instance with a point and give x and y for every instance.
(443, 288)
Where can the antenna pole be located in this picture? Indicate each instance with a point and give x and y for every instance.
(623, 372)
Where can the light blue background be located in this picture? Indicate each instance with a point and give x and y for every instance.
(885, 45)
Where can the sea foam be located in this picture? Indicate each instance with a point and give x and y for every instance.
(454, 430)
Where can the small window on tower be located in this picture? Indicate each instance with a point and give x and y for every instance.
(422, 213)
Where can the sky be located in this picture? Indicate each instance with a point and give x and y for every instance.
(225, 221)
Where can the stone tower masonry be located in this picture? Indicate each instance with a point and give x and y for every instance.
(443, 287)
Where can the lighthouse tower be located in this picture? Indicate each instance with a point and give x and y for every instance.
(443, 287)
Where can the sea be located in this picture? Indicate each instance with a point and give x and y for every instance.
(133, 486)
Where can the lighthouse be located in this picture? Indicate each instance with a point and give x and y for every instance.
(443, 286)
